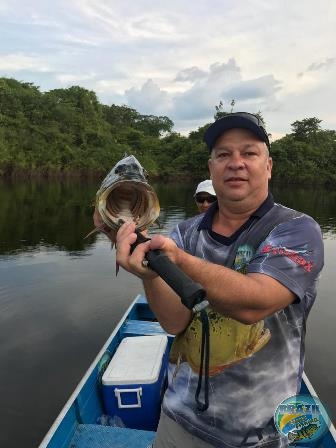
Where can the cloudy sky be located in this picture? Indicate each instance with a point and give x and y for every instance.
(180, 58)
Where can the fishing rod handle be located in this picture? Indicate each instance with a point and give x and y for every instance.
(189, 291)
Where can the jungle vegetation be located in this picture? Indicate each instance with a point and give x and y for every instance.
(69, 132)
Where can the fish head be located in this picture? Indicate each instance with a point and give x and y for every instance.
(128, 168)
(125, 195)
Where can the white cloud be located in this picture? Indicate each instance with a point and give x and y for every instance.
(190, 74)
(149, 99)
(19, 62)
(264, 88)
(200, 99)
(71, 79)
(221, 81)
(145, 24)
(81, 39)
(321, 65)
(180, 58)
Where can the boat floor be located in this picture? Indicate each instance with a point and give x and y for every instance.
(97, 436)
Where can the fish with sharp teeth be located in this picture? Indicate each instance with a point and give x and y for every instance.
(125, 195)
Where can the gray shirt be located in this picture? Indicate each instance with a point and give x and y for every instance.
(245, 392)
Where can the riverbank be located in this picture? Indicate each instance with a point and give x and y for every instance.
(97, 175)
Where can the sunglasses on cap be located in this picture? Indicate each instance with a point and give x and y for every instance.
(236, 120)
(256, 120)
(209, 199)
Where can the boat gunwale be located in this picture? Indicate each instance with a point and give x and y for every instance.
(312, 392)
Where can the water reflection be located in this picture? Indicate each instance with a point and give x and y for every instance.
(60, 299)
(40, 213)
(58, 214)
(318, 203)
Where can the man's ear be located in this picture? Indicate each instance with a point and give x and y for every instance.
(269, 167)
(209, 167)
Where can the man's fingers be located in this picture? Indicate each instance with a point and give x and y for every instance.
(162, 242)
(132, 262)
(125, 229)
(125, 238)
(157, 242)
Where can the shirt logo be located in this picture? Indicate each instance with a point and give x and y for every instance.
(297, 256)
(302, 419)
(243, 256)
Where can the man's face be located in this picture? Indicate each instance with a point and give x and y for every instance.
(240, 167)
(204, 201)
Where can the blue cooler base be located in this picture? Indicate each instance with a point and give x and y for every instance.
(137, 405)
(144, 417)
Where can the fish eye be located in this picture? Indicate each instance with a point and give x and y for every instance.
(120, 168)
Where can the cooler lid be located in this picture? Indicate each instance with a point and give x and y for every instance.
(138, 359)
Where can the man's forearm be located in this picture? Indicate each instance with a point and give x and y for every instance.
(247, 298)
(166, 305)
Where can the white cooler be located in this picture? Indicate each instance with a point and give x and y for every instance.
(134, 381)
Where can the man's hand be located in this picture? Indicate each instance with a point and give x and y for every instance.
(102, 227)
(167, 245)
(164, 302)
(132, 262)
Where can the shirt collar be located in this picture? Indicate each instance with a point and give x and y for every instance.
(206, 222)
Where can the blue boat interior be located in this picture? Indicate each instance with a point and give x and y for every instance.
(83, 422)
(97, 436)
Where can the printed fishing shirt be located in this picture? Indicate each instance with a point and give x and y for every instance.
(252, 368)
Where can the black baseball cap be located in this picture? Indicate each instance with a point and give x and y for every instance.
(243, 120)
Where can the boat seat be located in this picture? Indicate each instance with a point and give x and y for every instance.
(98, 436)
(138, 327)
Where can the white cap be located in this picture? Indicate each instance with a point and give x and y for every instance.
(206, 187)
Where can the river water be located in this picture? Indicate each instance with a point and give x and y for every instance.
(60, 298)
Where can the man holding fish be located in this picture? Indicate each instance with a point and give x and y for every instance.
(259, 263)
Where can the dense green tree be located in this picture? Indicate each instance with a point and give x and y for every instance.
(306, 128)
(308, 154)
(154, 126)
(68, 131)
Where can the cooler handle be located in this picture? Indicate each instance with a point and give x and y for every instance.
(118, 392)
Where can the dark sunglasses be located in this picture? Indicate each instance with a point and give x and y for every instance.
(209, 199)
